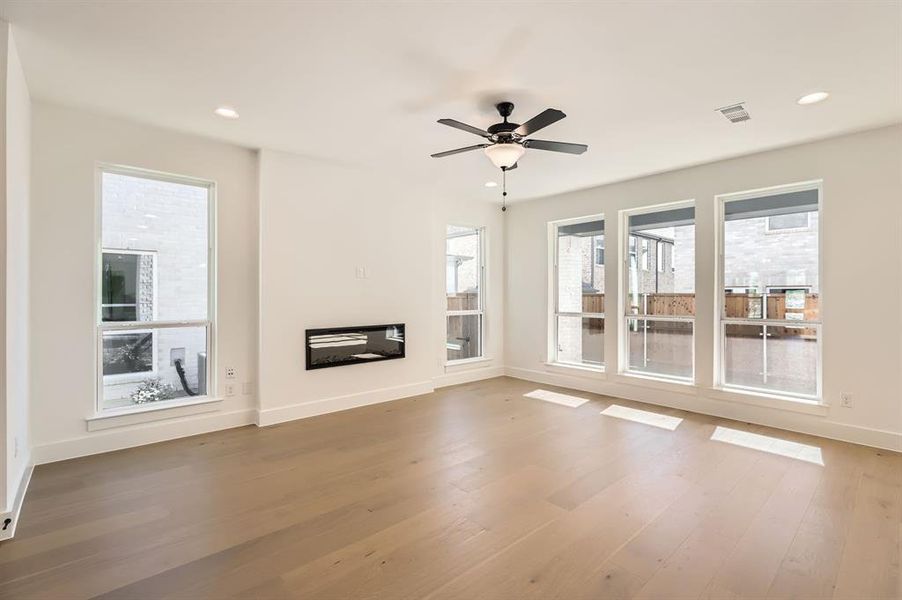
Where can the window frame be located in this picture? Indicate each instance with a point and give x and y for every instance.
(554, 312)
(131, 377)
(644, 249)
(721, 320)
(805, 227)
(624, 292)
(101, 326)
(480, 311)
(151, 253)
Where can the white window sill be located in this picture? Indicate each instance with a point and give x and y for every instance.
(156, 411)
(576, 370)
(679, 386)
(453, 364)
(790, 403)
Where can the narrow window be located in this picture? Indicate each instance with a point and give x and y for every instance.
(154, 323)
(465, 295)
(788, 222)
(599, 250)
(578, 319)
(770, 312)
(660, 304)
(643, 257)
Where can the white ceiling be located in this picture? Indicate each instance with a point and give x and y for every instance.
(364, 82)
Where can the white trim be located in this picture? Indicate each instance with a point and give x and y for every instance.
(709, 402)
(149, 433)
(16, 509)
(463, 362)
(281, 414)
(467, 376)
(577, 370)
(758, 398)
(151, 411)
(678, 385)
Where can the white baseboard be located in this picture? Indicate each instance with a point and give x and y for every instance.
(148, 433)
(468, 375)
(699, 402)
(281, 414)
(8, 531)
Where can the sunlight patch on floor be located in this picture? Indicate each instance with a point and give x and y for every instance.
(642, 416)
(556, 398)
(765, 443)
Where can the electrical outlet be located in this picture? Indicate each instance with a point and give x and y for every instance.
(230, 373)
(845, 398)
(230, 389)
(176, 354)
(361, 273)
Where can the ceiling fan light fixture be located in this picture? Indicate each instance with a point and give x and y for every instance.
(504, 156)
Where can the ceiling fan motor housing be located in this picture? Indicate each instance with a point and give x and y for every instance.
(504, 130)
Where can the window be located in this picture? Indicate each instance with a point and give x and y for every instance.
(659, 315)
(788, 222)
(659, 259)
(643, 257)
(154, 297)
(464, 287)
(578, 282)
(770, 313)
(599, 250)
(121, 297)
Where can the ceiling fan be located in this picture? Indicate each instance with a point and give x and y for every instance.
(507, 142)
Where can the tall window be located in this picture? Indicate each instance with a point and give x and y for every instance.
(153, 310)
(579, 292)
(464, 287)
(660, 303)
(770, 313)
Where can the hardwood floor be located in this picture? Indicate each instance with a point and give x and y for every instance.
(471, 492)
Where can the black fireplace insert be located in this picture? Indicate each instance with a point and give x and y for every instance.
(337, 346)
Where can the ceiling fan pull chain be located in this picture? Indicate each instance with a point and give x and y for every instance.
(503, 189)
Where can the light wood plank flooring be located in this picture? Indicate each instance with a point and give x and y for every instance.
(471, 492)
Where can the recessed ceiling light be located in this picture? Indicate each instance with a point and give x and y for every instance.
(491, 184)
(227, 112)
(813, 98)
(150, 216)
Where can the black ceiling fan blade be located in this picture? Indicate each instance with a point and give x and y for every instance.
(556, 146)
(465, 127)
(458, 150)
(540, 121)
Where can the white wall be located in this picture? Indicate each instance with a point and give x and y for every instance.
(14, 392)
(67, 145)
(862, 287)
(319, 222)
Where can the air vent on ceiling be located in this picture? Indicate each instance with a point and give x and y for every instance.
(735, 113)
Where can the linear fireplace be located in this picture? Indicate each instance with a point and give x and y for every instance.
(337, 346)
